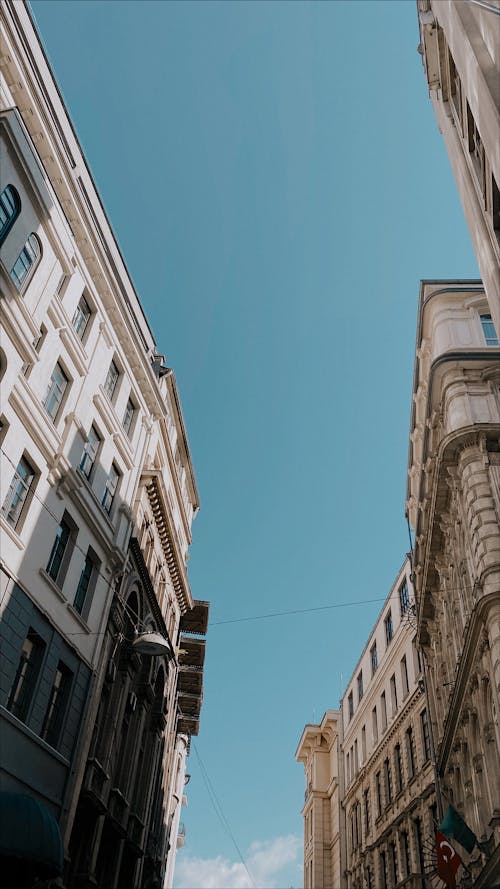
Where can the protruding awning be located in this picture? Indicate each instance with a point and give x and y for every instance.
(29, 833)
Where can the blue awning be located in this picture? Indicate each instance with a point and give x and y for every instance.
(30, 833)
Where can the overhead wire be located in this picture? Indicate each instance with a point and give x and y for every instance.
(141, 625)
(220, 812)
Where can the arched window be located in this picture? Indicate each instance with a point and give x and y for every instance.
(10, 208)
(26, 262)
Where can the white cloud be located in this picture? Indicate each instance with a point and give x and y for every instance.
(265, 859)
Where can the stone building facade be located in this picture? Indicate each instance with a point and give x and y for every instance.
(454, 507)
(461, 56)
(318, 750)
(388, 803)
(98, 499)
(370, 807)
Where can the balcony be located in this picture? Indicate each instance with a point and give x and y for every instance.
(188, 725)
(181, 836)
(190, 680)
(118, 810)
(95, 785)
(136, 829)
(196, 620)
(191, 651)
(189, 705)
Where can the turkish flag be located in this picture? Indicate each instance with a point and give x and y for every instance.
(448, 861)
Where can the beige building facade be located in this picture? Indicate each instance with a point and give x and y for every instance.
(370, 808)
(97, 503)
(454, 507)
(388, 801)
(460, 50)
(318, 750)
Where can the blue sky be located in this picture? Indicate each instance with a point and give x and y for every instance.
(278, 185)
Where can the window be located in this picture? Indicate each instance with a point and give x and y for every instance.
(58, 702)
(388, 782)
(60, 548)
(86, 584)
(383, 708)
(128, 417)
(350, 705)
(17, 495)
(360, 685)
(393, 863)
(489, 332)
(455, 87)
(476, 149)
(374, 658)
(417, 827)
(404, 676)
(383, 871)
(110, 489)
(410, 751)
(356, 758)
(10, 208)
(394, 695)
(374, 726)
(405, 855)
(417, 659)
(363, 743)
(111, 380)
(25, 263)
(426, 738)
(81, 317)
(28, 668)
(90, 450)
(348, 767)
(55, 391)
(366, 798)
(378, 793)
(389, 630)
(404, 597)
(398, 768)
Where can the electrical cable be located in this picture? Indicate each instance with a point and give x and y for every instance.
(220, 812)
(143, 626)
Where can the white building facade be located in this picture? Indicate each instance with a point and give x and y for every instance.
(98, 497)
(461, 56)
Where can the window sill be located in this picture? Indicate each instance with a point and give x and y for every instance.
(81, 620)
(11, 532)
(52, 584)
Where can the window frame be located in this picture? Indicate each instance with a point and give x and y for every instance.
(111, 389)
(80, 329)
(62, 552)
(110, 489)
(486, 321)
(426, 735)
(350, 705)
(23, 501)
(359, 681)
(404, 597)
(374, 657)
(10, 218)
(52, 388)
(86, 583)
(388, 628)
(57, 705)
(89, 456)
(26, 685)
(128, 421)
(31, 242)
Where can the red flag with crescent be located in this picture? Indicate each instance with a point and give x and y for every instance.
(448, 861)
